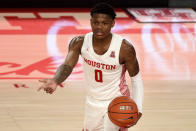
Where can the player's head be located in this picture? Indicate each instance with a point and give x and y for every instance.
(102, 20)
(103, 8)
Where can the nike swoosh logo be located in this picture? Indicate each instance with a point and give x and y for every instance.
(127, 118)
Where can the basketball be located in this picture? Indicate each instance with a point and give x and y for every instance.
(123, 111)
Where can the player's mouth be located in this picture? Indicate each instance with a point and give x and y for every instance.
(99, 33)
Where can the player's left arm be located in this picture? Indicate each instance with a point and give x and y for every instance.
(129, 59)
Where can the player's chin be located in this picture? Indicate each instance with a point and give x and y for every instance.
(99, 37)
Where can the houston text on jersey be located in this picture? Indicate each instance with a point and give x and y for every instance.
(100, 65)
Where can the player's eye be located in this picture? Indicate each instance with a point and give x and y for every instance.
(95, 23)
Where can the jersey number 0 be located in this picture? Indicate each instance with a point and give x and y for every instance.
(98, 76)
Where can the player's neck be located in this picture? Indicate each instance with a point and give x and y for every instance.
(101, 42)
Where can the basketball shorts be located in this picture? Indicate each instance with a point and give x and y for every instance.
(96, 117)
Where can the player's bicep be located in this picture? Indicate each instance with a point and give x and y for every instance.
(74, 52)
(130, 59)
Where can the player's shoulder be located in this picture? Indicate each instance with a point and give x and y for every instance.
(127, 47)
(127, 51)
(78, 39)
(76, 42)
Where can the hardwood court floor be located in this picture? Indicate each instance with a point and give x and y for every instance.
(168, 106)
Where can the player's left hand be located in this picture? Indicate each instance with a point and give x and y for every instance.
(139, 116)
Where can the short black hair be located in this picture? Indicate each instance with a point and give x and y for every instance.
(103, 8)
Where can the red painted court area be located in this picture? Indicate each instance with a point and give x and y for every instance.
(34, 42)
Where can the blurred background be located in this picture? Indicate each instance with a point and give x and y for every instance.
(90, 3)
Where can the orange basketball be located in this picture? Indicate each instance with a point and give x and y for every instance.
(123, 111)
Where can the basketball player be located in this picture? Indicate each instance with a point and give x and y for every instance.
(106, 57)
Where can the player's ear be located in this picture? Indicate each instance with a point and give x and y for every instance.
(113, 23)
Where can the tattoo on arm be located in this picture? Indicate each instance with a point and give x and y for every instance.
(130, 59)
(62, 73)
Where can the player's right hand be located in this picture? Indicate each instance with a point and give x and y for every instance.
(49, 85)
